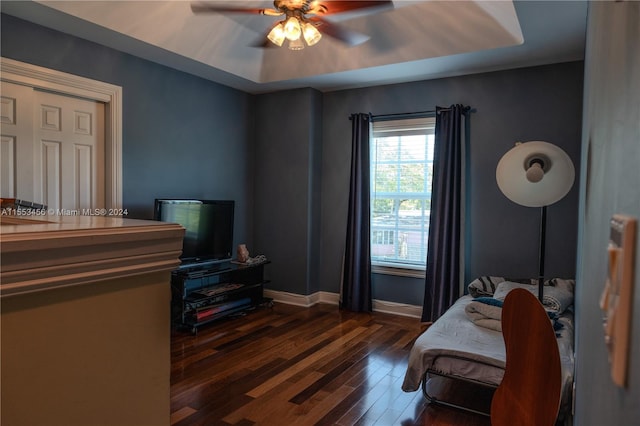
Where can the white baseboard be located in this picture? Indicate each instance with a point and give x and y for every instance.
(395, 308)
(334, 299)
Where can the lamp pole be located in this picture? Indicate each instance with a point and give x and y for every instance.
(543, 231)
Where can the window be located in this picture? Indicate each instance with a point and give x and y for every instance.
(383, 237)
(401, 175)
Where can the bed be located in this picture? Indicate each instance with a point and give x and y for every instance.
(457, 348)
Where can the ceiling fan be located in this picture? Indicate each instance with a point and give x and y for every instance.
(302, 20)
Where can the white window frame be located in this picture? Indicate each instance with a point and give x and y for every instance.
(399, 127)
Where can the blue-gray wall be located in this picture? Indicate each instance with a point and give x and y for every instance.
(287, 181)
(610, 184)
(540, 103)
(183, 136)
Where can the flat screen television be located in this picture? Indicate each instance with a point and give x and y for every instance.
(208, 227)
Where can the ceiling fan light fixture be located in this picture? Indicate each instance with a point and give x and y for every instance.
(276, 35)
(292, 30)
(310, 33)
(296, 44)
(301, 19)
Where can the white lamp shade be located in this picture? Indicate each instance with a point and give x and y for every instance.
(555, 183)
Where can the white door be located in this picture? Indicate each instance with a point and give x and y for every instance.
(52, 148)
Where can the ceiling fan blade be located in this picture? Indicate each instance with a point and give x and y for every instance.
(340, 6)
(339, 32)
(204, 7)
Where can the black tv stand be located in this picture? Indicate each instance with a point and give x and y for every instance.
(201, 295)
(203, 264)
(205, 272)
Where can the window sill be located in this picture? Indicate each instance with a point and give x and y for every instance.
(398, 271)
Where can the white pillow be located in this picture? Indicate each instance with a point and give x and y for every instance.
(556, 298)
(506, 286)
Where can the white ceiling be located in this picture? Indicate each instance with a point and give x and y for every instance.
(416, 40)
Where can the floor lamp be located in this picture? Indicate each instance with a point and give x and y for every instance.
(536, 174)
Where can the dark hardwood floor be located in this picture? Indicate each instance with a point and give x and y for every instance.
(289, 365)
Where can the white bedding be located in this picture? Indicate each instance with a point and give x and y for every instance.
(454, 345)
(484, 315)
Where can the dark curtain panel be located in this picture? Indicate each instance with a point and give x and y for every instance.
(443, 250)
(356, 282)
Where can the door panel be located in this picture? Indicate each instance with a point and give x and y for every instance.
(78, 126)
(50, 174)
(8, 166)
(84, 176)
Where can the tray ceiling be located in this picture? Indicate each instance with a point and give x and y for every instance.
(415, 40)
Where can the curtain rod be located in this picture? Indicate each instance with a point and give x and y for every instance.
(417, 114)
(401, 115)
